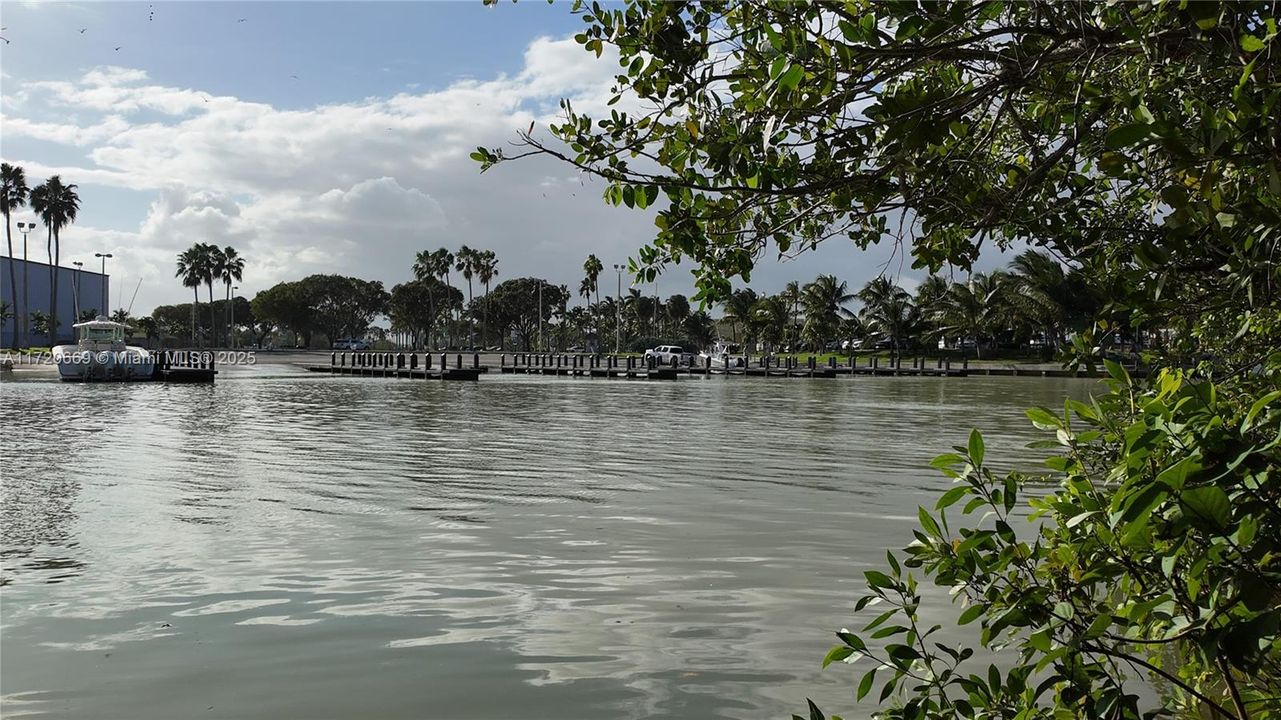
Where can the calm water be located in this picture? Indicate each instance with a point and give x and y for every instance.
(291, 546)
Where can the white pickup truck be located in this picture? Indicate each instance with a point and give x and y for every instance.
(664, 354)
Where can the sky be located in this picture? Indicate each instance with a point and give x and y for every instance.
(323, 137)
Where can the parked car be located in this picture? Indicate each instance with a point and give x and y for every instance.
(351, 344)
(664, 354)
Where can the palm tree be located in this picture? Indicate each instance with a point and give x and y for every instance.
(486, 270)
(824, 301)
(792, 296)
(700, 328)
(120, 315)
(1047, 295)
(769, 316)
(888, 310)
(13, 195)
(931, 300)
(976, 310)
(444, 261)
(232, 269)
(191, 268)
(213, 266)
(466, 264)
(40, 322)
(677, 310)
(57, 205)
(738, 310)
(592, 269)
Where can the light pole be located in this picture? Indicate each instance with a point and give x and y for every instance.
(76, 285)
(25, 228)
(233, 316)
(104, 257)
(618, 311)
(540, 315)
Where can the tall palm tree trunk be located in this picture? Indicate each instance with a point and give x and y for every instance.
(53, 307)
(48, 251)
(213, 328)
(195, 293)
(13, 282)
(487, 331)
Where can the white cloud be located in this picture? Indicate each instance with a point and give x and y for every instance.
(356, 187)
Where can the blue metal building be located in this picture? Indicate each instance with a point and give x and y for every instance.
(83, 289)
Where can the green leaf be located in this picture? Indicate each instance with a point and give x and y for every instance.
(792, 77)
(950, 497)
(878, 579)
(865, 685)
(1250, 43)
(1043, 418)
(1209, 504)
(855, 642)
(1127, 135)
(976, 447)
(837, 654)
(971, 614)
(1258, 407)
(1117, 372)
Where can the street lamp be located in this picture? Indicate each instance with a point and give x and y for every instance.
(233, 316)
(76, 285)
(540, 315)
(25, 228)
(104, 257)
(618, 311)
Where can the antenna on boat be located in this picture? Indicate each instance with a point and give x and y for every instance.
(135, 297)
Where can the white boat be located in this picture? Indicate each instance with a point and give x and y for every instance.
(722, 355)
(100, 353)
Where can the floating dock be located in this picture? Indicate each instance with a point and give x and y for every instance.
(459, 366)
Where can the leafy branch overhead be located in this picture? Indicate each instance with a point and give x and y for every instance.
(758, 127)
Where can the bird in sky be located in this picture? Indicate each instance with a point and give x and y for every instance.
(243, 20)
(118, 47)
(82, 30)
(294, 77)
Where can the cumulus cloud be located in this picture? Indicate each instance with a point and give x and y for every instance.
(355, 187)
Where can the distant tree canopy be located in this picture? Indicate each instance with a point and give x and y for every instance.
(419, 306)
(173, 321)
(514, 307)
(333, 305)
(1136, 142)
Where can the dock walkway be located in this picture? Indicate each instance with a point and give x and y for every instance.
(459, 366)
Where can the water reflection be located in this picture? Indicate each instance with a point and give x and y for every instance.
(279, 544)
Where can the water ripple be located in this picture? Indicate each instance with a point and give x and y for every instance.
(280, 544)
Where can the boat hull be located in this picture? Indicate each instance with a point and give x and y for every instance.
(132, 364)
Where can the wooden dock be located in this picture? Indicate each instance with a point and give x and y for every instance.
(459, 366)
(468, 367)
(184, 366)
